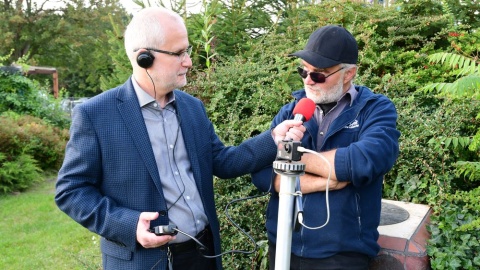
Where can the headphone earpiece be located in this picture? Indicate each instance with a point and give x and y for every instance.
(145, 59)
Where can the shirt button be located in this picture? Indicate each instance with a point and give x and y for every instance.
(188, 197)
(155, 105)
(321, 133)
(176, 173)
(171, 146)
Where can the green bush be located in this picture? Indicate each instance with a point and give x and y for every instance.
(25, 96)
(425, 171)
(454, 243)
(19, 173)
(24, 134)
(247, 214)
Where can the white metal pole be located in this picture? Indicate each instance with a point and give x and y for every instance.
(285, 219)
(288, 172)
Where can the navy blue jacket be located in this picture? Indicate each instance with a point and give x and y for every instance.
(366, 140)
(109, 175)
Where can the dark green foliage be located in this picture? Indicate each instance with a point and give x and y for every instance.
(455, 226)
(424, 169)
(465, 12)
(18, 174)
(244, 95)
(455, 240)
(394, 48)
(121, 65)
(247, 214)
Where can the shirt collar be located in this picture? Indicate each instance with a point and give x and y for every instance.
(145, 99)
(349, 96)
(352, 94)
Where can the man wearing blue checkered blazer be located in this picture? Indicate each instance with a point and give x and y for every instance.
(144, 154)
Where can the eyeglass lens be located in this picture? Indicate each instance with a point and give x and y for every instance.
(184, 54)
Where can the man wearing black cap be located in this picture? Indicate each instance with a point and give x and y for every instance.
(355, 131)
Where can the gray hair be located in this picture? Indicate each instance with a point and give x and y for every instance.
(349, 66)
(146, 29)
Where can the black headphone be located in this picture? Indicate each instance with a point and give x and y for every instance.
(145, 59)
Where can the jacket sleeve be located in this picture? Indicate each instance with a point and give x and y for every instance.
(263, 178)
(375, 151)
(78, 187)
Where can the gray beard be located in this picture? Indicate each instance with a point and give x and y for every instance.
(333, 94)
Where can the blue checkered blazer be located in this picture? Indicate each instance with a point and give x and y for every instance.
(109, 175)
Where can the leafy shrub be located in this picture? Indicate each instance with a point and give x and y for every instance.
(23, 134)
(18, 174)
(455, 241)
(424, 170)
(248, 214)
(455, 227)
(25, 96)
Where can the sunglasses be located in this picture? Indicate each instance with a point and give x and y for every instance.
(317, 77)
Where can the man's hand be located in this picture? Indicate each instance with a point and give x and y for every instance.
(146, 238)
(289, 129)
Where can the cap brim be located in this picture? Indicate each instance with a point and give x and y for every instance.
(315, 59)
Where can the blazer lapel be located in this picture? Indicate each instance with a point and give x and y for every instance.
(187, 117)
(131, 113)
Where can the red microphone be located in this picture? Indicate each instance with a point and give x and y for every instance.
(304, 110)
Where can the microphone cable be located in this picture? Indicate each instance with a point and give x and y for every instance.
(173, 229)
(327, 201)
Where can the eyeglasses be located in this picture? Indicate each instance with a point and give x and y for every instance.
(317, 77)
(181, 55)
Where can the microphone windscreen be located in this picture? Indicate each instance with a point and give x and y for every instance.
(305, 107)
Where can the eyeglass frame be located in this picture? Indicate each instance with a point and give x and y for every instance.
(186, 52)
(301, 71)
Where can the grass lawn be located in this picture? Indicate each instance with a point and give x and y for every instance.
(35, 234)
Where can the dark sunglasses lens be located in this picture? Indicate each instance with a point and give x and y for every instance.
(317, 77)
(303, 73)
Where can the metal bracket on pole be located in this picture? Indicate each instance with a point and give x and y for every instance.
(288, 171)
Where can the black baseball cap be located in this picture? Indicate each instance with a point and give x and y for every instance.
(329, 46)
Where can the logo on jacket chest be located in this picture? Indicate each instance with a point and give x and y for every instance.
(353, 124)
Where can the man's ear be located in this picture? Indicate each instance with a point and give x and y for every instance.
(350, 74)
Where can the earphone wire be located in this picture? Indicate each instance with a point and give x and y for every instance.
(153, 83)
(176, 138)
(173, 155)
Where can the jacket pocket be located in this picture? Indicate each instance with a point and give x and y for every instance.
(115, 250)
